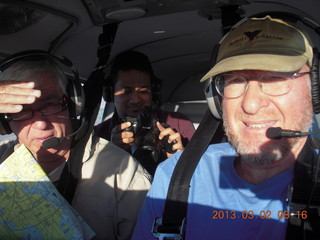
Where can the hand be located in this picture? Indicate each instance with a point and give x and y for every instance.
(14, 94)
(121, 137)
(173, 136)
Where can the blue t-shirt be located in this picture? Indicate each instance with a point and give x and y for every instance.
(221, 204)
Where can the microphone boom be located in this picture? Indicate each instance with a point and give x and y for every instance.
(55, 141)
(278, 132)
(51, 142)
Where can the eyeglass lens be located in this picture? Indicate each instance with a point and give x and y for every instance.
(274, 84)
(45, 111)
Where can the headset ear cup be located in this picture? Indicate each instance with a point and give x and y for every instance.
(315, 85)
(108, 90)
(76, 97)
(213, 100)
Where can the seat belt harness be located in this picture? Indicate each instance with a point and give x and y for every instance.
(172, 225)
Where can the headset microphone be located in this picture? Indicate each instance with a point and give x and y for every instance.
(55, 141)
(278, 132)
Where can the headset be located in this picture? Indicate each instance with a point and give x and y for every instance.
(108, 89)
(75, 92)
(214, 100)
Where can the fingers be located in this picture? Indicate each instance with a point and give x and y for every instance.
(160, 127)
(174, 137)
(164, 131)
(14, 94)
(127, 137)
(120, 136)
(121, 127)
(177, 147)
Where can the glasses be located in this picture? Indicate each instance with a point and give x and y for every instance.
(48, 110)
(231, 85)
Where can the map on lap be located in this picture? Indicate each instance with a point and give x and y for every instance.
(31, 206)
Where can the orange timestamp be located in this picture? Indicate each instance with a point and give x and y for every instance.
(225, 214)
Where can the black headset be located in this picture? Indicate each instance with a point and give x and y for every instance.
(75, 93)
(108, 89)
(214, 99)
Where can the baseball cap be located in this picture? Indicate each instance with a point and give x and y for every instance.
(266, 43)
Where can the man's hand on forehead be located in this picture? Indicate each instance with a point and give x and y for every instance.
(14, 94)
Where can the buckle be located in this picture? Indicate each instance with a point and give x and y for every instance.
(168, 233)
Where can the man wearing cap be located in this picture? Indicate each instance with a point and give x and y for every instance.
(239, 189)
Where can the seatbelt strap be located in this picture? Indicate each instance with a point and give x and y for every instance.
(72, 171)
(93, 93)
(171, 226)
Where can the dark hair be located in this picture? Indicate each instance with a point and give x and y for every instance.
(131, 60)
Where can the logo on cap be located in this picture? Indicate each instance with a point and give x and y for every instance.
(252, 35)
